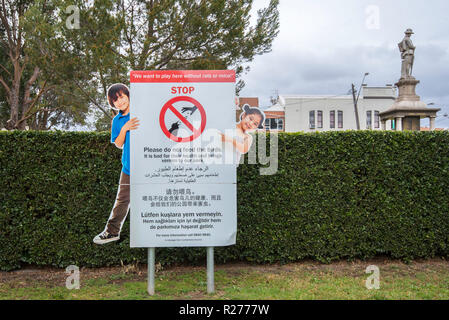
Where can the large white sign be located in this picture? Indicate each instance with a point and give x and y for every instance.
(183, 177)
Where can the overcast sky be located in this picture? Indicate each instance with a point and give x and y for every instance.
(325, 45)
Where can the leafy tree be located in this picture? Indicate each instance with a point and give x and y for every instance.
(16, 91)
(71, 68)
(200, 34)
(118, 36)
(33, 94)
(4, 112)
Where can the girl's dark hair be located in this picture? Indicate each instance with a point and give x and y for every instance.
(115, 91)
(247, 110)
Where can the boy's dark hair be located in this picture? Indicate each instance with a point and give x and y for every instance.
(115, 91)
(247, 110)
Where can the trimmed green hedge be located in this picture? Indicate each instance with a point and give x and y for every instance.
(336, 195)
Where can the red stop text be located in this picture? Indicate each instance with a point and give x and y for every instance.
(183, 90)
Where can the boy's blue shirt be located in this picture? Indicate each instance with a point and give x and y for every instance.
(117, 124)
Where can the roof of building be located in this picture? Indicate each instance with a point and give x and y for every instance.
(285, 96)
(386, 92)
(274, 108)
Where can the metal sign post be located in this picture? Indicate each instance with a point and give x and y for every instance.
(210, 270)
(151, 259)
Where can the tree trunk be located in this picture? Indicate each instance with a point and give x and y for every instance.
(14, 102)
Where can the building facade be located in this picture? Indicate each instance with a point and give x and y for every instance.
(312, 113)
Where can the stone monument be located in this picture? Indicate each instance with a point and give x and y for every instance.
(408, 109)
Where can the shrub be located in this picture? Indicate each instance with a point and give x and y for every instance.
(336, 195)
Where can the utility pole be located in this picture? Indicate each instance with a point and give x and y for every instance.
(355, 108)
(356, 100)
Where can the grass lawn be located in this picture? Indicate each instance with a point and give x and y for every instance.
(427, 279)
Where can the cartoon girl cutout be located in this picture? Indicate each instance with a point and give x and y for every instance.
(239, 139)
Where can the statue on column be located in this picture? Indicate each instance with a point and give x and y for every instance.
(407, 50)
(408, 109)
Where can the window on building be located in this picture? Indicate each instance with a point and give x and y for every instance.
(312, 119)
(280, 124)
(267, 124)
(369, 120)
(332, 119)
(393, 124)
(319, 119)
(274, 124)
(340, 119)
(376, 120)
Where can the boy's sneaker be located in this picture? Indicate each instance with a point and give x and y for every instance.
(106, 237)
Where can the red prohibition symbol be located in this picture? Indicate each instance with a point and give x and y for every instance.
(196, 132)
